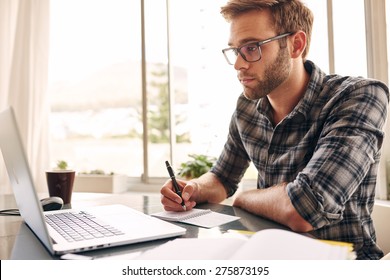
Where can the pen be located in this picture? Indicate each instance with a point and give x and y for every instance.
(174, 182)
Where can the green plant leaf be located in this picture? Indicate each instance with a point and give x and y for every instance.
(197, 166)
(62, 165)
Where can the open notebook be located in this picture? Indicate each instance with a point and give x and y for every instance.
(121, 225)
(268, 244)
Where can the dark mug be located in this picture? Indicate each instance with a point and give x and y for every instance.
(60, 183)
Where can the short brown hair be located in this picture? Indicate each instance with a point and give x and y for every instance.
(288, 15)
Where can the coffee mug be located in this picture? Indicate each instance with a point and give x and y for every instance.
(60, 183)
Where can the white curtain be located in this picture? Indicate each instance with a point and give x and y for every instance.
(24, 50)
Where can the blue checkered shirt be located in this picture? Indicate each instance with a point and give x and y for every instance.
(327, 149)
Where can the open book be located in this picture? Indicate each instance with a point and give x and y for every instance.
(198, 217)
(268, 244)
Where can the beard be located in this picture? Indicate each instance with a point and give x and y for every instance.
(274, 75)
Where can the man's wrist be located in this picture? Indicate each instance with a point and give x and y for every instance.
(196, 190)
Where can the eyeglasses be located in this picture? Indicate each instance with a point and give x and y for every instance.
(250, 52)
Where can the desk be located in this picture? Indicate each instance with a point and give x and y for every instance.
(18, 242)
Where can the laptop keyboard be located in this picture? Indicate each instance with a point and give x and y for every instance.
(78, 226)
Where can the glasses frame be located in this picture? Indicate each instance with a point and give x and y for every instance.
(258, 44)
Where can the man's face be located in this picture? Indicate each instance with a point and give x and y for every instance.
(262, 77)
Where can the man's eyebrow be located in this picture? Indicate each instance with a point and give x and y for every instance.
(245, 41)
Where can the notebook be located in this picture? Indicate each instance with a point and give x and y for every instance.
(128, 225)
(198, 217)
(267, 244)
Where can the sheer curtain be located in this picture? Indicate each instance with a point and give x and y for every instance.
(24, 37)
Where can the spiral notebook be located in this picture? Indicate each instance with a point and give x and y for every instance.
(198, 217)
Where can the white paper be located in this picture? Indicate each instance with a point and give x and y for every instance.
(269, 244)
(197, 217)
(194, 249)
(275, 244)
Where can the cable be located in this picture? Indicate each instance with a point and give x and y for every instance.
(9, 212)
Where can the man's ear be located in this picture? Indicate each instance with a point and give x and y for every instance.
(298, 44)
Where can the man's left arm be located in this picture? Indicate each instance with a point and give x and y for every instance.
(275, 204)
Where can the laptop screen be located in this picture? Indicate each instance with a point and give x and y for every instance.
(20, 176)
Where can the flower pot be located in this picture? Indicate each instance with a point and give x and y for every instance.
(97, 183)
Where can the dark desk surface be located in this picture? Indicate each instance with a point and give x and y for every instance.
(18, 242)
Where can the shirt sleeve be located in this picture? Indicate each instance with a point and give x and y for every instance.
(347, 149)
(233, 160)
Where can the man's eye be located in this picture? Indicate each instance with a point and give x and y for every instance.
(249, 48)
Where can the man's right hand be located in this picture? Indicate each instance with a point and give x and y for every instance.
(172, 201)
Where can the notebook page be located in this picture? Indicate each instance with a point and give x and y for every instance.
(211, 219)
(194, 249)
(198, 217)
(275, 244)
(180, 216)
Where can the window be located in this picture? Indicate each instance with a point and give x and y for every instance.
(202, 106)
(95, 85)
(339, 45)
(98, 101)
(350, 38)
(319, 46)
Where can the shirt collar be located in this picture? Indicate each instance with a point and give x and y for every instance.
(304, 106)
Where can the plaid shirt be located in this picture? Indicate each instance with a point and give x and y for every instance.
(327, 149)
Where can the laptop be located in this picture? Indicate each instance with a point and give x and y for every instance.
(123, 224)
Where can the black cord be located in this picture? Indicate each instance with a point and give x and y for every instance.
(9, 212)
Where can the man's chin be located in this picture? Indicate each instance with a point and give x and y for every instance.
(250, 95)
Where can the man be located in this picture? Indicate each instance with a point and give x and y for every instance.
(315, 139)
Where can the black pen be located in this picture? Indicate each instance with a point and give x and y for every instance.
(175, 185)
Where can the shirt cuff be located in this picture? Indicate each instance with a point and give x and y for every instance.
(309, 204)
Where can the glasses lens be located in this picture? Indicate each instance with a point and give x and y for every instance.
(250, 52)
(230, 55)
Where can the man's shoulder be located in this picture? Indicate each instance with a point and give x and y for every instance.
(334, 84)
(350, 83)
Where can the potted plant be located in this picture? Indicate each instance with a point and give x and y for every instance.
(62, 165)
(99, 181)
(194, 168)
